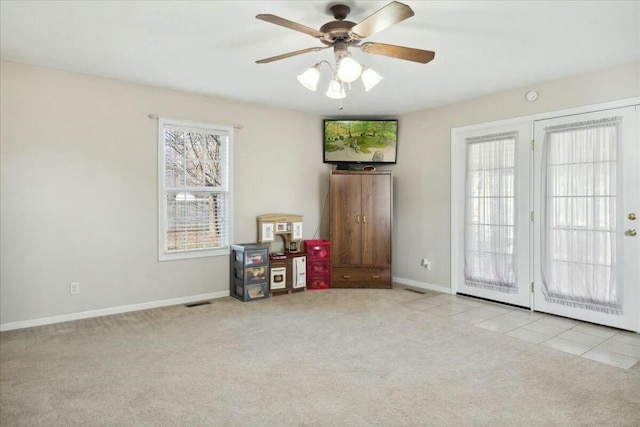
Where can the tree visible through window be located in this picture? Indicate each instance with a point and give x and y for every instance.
(195, 193)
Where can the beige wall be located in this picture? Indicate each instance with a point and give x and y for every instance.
(422, 214)
(79, 183)
(79, 189)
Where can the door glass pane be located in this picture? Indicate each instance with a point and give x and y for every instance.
(490, 213)
(579, 168)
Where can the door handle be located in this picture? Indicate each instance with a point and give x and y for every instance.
(631, 232)
(357, 219)
(364, 219)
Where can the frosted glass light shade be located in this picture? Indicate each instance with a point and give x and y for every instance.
(336, 90)
(310, 78)
(370, 78)
(349, 70)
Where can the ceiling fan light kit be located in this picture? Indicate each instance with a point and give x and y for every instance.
(336, 90)
(349, 70)
(310, 77)
(370, 78)
(341, 35)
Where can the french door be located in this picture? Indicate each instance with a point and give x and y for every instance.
(586, 198)
(493, 203)
(553, 228)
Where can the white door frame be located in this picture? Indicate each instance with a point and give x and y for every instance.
(458, 170)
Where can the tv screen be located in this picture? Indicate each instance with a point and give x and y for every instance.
(360, 141)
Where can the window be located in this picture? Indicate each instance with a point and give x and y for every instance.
(194, 167)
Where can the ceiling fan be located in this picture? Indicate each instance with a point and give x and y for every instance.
(341, 34)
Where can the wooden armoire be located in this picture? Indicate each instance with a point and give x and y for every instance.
(361, 219)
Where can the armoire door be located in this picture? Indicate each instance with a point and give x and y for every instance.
(346, 209)
(376, 219)
(491, 213)
(587, 199)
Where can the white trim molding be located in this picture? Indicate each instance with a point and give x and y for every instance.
(422, 285)
(110, 311)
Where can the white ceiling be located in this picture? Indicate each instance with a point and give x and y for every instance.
(209, 47)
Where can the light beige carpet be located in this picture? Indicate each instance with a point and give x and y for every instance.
(318, 358)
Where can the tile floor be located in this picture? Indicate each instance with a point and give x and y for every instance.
(600, 343)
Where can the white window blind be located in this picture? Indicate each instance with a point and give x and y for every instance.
(489, 212)
(194, 189)
(580, 176)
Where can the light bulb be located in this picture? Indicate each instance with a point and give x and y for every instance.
(310, 77)
(336, 90)
(370, 78)
(349, 70)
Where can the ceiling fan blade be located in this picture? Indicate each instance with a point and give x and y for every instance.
(389, 15)
(290, 24)
(290, 54)
(400, 52)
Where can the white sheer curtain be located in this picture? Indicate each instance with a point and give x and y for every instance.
(489, 212)
(579, 179)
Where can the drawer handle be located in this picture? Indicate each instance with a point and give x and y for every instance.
(375, 277)
(346, 277)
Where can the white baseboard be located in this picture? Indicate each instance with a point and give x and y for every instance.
(422, 285)
(108, 311)
(165, 303)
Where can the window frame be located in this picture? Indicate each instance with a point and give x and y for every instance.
(203, 127)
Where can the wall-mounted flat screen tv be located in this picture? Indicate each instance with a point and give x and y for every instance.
(349, 141)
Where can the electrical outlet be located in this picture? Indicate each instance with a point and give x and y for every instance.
(426, 264)
(74, 288)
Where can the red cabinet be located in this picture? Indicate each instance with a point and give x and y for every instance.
(318, 263)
